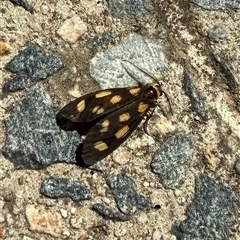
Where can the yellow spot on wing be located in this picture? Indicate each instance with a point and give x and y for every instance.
(95, 109)
(115, 99)
(122, 132)
(105, 125)
(142, 107)
(100, 146)
(103, 94)
(100, 110)
(134, 91)
(81, 106)
(124, 117)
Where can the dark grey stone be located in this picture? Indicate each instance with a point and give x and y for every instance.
(24, 4)
(102, 40)
(55, 187)
(128, 8)
(217, 4)
(211, 213)
(237, 167)
(230, 76)
(31, 65)
(195, 97)
(107, 213)
(172, 160)
(98, 166)
(108, 70)
(218, 33)
(126, 196)
(34, 139)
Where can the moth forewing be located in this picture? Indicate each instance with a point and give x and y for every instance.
(84, 112)
(96, 104)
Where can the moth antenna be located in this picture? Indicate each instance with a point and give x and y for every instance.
(132, 76)
(155, 80)
(143, 71)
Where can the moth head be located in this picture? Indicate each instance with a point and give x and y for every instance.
(153, 92)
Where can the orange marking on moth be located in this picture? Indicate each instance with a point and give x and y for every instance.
(103, 94)
(142, 107)
(105, 125)
(134, 91)
(115, 99)
(100, 146)
(81, 106)
(124, 117)
(122, 132)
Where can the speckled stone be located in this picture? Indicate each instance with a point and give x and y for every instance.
(24, 4)
(128, 8)
(232, 81)
(34, 139)
(172, 160)
(211, 213)
(107, 213)
(217, 4)
(31, 65)
(195, 97)
(126, 196)
(107, 68)
(55, 187)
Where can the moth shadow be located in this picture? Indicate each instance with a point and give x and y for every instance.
(79, 160)
(67, 125)
(64, 123)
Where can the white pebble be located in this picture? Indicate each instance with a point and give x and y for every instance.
(64, 213)
(146, 184)
(44, 9)
(9, 219)
(120, 232)
(2, 219)
(106, 200)
(66, 233)
(156, 235)
(73, 210)
(142, 218)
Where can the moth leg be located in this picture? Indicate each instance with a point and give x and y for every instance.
(149, 115)
(163, 111)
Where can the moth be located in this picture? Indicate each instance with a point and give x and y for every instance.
(108, 117)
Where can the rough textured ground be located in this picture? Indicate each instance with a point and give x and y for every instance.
(188, 34)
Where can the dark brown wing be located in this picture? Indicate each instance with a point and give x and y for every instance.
(83, 113)
(94, 105)
(114, 129)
